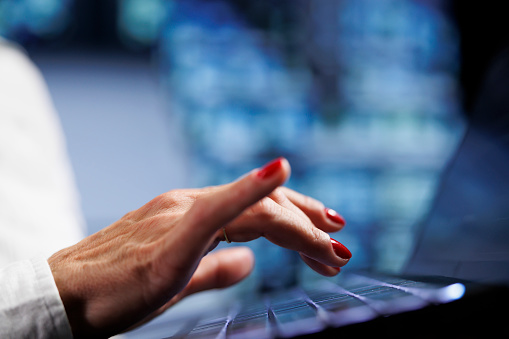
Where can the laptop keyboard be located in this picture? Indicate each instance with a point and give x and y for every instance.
(329, 303)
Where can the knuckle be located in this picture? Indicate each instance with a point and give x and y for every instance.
(172, 196)
(278, 195)
(176, 198)
(266, 209)
(162, 200)
(316, 235)
(281, 198)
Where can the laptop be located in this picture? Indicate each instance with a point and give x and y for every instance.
(456, 282)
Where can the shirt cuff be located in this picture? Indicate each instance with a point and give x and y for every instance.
(30, 305)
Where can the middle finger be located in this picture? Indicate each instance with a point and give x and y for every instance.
(289, 229)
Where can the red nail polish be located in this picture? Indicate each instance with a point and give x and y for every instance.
(334, 216)
(270, 169)
(340, 249)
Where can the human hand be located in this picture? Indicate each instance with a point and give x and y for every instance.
(154, 256)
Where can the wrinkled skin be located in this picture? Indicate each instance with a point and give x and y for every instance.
(156, 255)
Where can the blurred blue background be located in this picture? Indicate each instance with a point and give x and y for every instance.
(361, 96)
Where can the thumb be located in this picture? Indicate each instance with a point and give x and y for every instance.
(221, 269)
(213, 210)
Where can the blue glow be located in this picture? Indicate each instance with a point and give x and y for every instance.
(452, 292)
(24, 19)
(362, 102)
(140, 21)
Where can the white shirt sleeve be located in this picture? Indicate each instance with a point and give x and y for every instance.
(30, 306)
(39, 206)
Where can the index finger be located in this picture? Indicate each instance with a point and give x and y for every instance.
(214, 209)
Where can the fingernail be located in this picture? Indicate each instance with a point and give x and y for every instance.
(340, 249)
(270, 169)
(334, 216)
